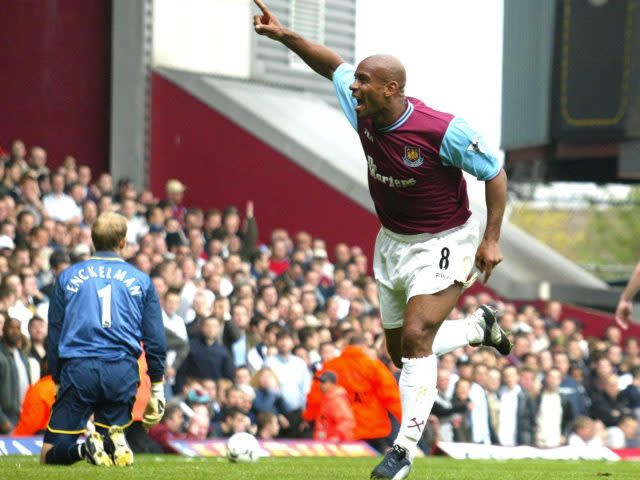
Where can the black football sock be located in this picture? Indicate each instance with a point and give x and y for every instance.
(64, 454)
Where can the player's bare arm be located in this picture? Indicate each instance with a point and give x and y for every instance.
(624, 310)
(321, 59)
(488, 254)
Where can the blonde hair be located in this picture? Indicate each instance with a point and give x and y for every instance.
(108, 231)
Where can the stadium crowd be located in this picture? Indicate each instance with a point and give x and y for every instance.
(277, 339)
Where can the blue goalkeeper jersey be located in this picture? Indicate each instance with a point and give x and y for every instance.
(103, 308)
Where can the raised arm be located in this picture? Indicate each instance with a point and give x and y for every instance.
(321, 59)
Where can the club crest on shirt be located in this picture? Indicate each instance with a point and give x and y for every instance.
(412, 157)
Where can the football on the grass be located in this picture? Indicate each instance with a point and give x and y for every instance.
(243, 448)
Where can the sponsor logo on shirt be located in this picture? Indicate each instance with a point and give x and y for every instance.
(412, 157)
(387, 180)
(367, 134)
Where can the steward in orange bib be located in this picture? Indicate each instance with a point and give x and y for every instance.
(371, 388)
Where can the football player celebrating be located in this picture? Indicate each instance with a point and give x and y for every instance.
(428, 243)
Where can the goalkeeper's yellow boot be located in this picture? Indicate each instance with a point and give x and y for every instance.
(93, 451)
(122, 454)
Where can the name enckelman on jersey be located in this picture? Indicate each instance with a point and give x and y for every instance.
(109, 273)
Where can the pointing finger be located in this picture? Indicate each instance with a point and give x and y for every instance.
(487, 272)
(262, 6)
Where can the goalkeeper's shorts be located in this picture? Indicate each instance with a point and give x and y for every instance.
(106, 389)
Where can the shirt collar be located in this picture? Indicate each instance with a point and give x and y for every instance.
(403, 118)
(106, 255)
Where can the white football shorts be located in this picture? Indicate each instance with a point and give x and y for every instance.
(423, 264)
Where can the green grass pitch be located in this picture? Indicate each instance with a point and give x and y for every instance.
(180, 468)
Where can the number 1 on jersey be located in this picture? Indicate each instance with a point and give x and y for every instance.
(104, 294)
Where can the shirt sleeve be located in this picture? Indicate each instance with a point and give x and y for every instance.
(464, 148)
(153, 336)
(54, 330)
(342, 78)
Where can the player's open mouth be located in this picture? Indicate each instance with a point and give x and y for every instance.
(359, 104)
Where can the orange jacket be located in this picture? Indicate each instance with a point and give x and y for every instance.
(335, 420)
(144, 390)
(371, 388)
(36, 407)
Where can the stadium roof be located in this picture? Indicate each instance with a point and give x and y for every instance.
(318, 138)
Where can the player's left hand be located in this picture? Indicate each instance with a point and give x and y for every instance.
(155, 408)
(487, 257)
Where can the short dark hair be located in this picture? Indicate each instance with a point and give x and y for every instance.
(169, 411)
(284, 333)
(172, 291)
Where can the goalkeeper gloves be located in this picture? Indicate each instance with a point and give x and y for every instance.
(155, 408)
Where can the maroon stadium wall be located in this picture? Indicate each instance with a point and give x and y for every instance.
(55, 66)
(222, 164)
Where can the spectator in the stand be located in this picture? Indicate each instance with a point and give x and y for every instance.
(584, 434)
(14, 375)
(268, 426)
(462, 421)
(372, 391)
(494, 383)
(521, 346)
(342, 255)
(212, 222)
(58, 204)
(175, 195)
(136, 225)
(38, 160)
(574, 391)
(234, 335)
(37, 336)
(172, 321)
(279, 261)
(234, 421)
(607, 405)
(207, 357)
(553, 313)
(310, 340)
(540, 338)
(480, 413)
(624, 434)
(170, 428)
(30, 197)
(443, 407)
(334, 421)
(517, 412)
(260, 352)
(630, 397)
(613, 335)
(18, 152)
(554, 414)
(201, 308)
(295, 380)
(16, 308)
(58, 261)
